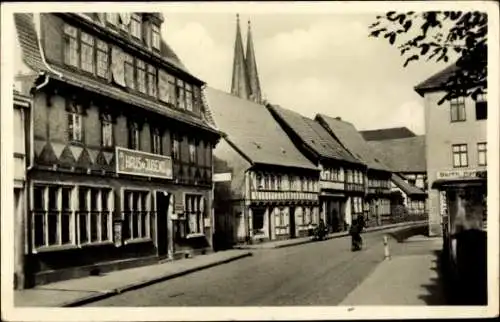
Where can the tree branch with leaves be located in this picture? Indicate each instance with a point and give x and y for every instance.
(439, 36)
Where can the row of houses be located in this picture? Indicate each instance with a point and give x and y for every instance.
(124, 158)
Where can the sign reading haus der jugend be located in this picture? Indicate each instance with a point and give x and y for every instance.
(140, 163)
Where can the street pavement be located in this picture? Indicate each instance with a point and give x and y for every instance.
(319, 273)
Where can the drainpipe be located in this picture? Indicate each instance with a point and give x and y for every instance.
(37, 22)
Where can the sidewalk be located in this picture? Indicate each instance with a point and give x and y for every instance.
(305, 240)
(405, 279)
(88, 289)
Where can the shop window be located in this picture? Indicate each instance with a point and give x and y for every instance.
(457, 109)
(481, 107)
(70, 45)
(279, 218)
(136, 26)
(156, 146)
(155, 37)
(194, 212)
(129, 71)
(134, 136)
(141, 76)
(94, 215)
(459, 155)
(87, 52)
(52, 216)
(136, 215)
(192, 152)
(152, 83)
(106, 131)
(481, 154)
(102, 59)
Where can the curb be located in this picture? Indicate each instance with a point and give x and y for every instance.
(135, 286)
(369, 230)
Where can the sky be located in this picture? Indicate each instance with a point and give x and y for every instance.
(309, 63)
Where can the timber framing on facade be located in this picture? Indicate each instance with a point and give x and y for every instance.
(122, 167)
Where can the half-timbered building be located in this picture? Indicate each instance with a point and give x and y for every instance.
(122, 153)
(342, 175)
(377, 177)
(273, 189)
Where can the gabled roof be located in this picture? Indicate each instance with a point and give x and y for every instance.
(313, 135)
(436, 81)
(387, 134)
(28, 41)
(406, 187)
(253, 130)
(352, 140)
(402, 155)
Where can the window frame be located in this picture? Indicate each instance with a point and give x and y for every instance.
(176, 147)
(141, 81)
(192, 151)
(480, 151)
(458, 151)
(457, 104)
(88, 213)
(156, 141)
(71, 36)
(134, 132)
(192, 206)
(136, 20)
(480, 100)
(129, 67)
(102, 50)
(136, 203)
(152, 74)
(155, 37)
(89, 42)
(107, 121)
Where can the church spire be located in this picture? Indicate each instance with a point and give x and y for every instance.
(251, 66)
(239, 86)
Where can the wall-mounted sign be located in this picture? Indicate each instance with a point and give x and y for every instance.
(178, 208)
(461, 174)
(221, 177)
(143, 164)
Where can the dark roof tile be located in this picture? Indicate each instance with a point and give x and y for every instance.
(254, 131)
(387, 134)
(405, 186)
(437, 80)
(402, 155)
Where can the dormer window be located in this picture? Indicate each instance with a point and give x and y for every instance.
(155, 37)
(136, 26)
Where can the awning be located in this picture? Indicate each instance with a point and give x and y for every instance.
(458, 183)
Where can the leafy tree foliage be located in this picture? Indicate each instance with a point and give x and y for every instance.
(439, 36)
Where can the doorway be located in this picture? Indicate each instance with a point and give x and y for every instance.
(162, 203)
(292, 223)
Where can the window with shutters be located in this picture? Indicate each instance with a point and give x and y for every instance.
(71, 45)
(189, 97)
(107, 131)
(152, 83)
(102, 59)
(53, 218)
(156, 146)
(134, 136)
(136, 26)
(457, 109)
(141, 76)
(87, 52)
(460, 159)
(137, 215)
(155, 37)
(129, 71)
(194, 213)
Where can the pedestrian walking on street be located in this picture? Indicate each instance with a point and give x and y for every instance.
(355, 231)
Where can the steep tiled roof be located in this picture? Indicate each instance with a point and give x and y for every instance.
(437, 80)
(402, 155)
(387, 134)
(352, 140)
(405, 186)
(252, 128)
(314, 135)
(31, 56)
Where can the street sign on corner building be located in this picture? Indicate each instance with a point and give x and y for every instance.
(138, 163)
